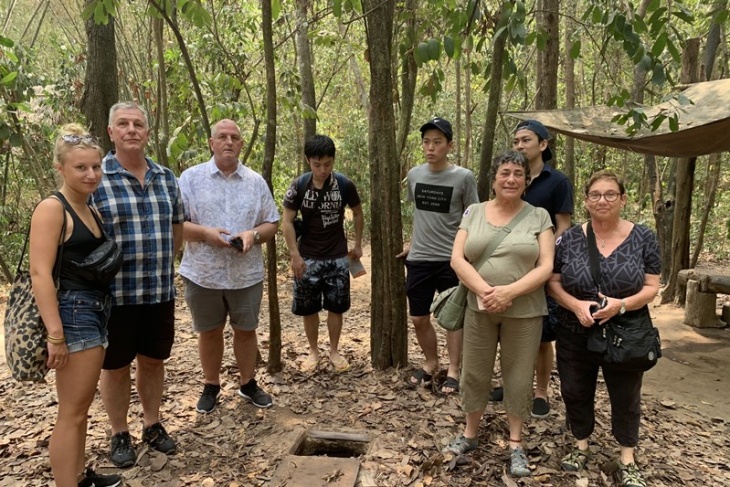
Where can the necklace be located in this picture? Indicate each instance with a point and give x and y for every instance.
(603, 240)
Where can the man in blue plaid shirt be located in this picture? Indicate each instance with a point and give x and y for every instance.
(142, 209)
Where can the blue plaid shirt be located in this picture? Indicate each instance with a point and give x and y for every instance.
(140, 219)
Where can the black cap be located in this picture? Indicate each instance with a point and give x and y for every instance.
(439, 124)
(540, 130)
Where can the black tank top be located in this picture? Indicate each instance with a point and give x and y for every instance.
(77, 247)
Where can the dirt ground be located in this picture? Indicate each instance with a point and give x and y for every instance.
(684, 435)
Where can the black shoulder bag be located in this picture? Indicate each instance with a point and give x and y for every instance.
(628, 341)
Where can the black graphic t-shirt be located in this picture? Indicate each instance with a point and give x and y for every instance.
(324, 235)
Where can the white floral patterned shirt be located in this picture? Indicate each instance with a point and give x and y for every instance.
(237, 203)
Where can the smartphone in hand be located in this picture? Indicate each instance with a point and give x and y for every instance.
(602, 303)
(236, 243)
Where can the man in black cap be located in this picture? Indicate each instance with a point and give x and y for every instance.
(549, 189)
(441, 192)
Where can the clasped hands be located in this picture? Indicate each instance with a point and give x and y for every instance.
(590, 312)
(494, 299)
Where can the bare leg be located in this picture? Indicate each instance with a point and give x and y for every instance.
(454, 344)
(75, 386)
(627, 454)
(334, 326)
(210, 349)
(472, 424)
(426, 336)
(311, 328)
(515, 430)
(116, 388)
(245, 348)
(543, 369)
(150, 383)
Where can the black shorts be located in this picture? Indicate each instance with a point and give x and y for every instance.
(424, 278)
(145, 329)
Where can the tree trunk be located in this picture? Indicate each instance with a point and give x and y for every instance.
(714, 164)
(683, 195)
(713, 41)
(484, 185)
(409, 72)
(569, 73)
(162, 123)
(101, 90)
(305, 62)
(549, 59)
(388, 330)
(274, 364)
(467, 109)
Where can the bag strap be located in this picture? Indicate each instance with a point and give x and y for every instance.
(504, 231)
(593, 258)
(59, 254)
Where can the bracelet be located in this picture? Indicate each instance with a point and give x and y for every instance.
(515, 441)
(56, 341)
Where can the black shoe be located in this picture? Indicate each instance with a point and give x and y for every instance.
(497, 394)
(540, 408)
(158, 439)
(123, 455)
(208, 399)
(93, 479)
(253, 393)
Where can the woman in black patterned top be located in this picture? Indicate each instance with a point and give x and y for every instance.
(630, 265)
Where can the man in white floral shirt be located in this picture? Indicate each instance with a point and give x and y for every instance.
(229, 213)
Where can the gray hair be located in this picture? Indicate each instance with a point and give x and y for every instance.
(128, 105)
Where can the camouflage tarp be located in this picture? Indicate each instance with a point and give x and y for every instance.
(704, 124)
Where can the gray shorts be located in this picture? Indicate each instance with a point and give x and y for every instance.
(209, 307)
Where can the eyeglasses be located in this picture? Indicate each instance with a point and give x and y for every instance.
(77, 139)
(595, 196)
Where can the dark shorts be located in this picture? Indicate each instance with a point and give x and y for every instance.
(145, 329)
(423, 280)
(324, 285)
(84, 315)
(210, 307)
(550, 322)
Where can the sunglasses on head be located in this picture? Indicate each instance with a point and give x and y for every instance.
(77, 139)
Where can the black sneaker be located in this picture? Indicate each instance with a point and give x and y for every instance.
(93, 479)
(158, 439)
(123, 455)
(540, 408)
(254, 394)
(208, 399)
(497, 394)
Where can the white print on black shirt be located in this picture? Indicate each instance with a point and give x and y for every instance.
(430, 197)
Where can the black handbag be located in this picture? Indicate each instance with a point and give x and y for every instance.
(628, 341)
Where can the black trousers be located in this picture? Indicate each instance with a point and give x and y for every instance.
(578, 369)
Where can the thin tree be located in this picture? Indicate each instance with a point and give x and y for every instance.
(274, 364)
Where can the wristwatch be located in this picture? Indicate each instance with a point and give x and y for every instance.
(256, 237)
(623, 308)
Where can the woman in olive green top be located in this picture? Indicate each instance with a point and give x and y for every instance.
(506, 301)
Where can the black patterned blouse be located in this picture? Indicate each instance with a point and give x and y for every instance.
(622, 273)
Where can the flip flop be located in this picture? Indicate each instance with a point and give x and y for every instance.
(419, 377)
(309, 365)
(452, 384)
(340, 365)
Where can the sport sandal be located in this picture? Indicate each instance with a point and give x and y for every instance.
(629, 475)
(576, 460)
(461, 445)
(519, 465)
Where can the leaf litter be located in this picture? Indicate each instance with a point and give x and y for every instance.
(240, 445)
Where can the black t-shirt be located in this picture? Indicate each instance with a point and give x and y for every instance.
(324, 233)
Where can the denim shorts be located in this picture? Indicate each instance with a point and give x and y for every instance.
(84, 315)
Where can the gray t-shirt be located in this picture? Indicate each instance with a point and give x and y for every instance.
(440, 199)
